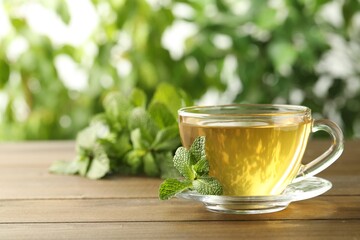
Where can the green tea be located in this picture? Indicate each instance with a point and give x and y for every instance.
(251, 159)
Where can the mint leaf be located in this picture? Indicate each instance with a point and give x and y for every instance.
(202, 167)
(182, 162)
(150, 166)
(80, 165)
(118, 145)
(64, 167)
(100, 164)
(133, 160)
(207, 186)
(166, 139)
(193, 165)
(82, 162)
(169, 96)
(161, 115)
(86, 139)
(193, 162)
(137, 139)
(167, 169)
(170, 187)
(138, 98)
(117, 108)
(197, 149)
(139, 118)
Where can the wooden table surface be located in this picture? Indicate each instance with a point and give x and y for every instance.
(37, 205)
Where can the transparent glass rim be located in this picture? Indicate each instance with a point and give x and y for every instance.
(245, 110)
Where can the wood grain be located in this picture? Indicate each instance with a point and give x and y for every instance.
(105, 210)
(38, 184)
(37, 205)
(24, 174)
(279, 230)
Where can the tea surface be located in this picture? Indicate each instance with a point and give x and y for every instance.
(253, 159)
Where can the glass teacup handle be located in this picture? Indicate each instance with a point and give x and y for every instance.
(328, 157)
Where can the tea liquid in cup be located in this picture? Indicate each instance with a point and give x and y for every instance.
(255, 150)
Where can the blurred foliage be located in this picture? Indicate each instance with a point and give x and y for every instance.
(219, 51)
(133, 136)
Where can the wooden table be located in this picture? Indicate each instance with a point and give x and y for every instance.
(37, 205)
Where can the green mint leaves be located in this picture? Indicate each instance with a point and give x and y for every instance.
(172, 186)
(132, 136)
(194, 167)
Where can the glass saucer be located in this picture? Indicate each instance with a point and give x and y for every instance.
(304, 189)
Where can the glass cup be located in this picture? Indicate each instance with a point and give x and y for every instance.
(257, 149)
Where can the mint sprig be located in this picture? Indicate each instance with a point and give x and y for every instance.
(194, 167)
(134, 135)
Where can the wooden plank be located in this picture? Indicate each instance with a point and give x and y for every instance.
(298, 229)
(24, 175)
(38, 184)
(47, 206)
(36, 158)
(103, 210)
(36, 146)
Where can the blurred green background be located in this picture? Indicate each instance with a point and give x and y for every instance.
(58, 59)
